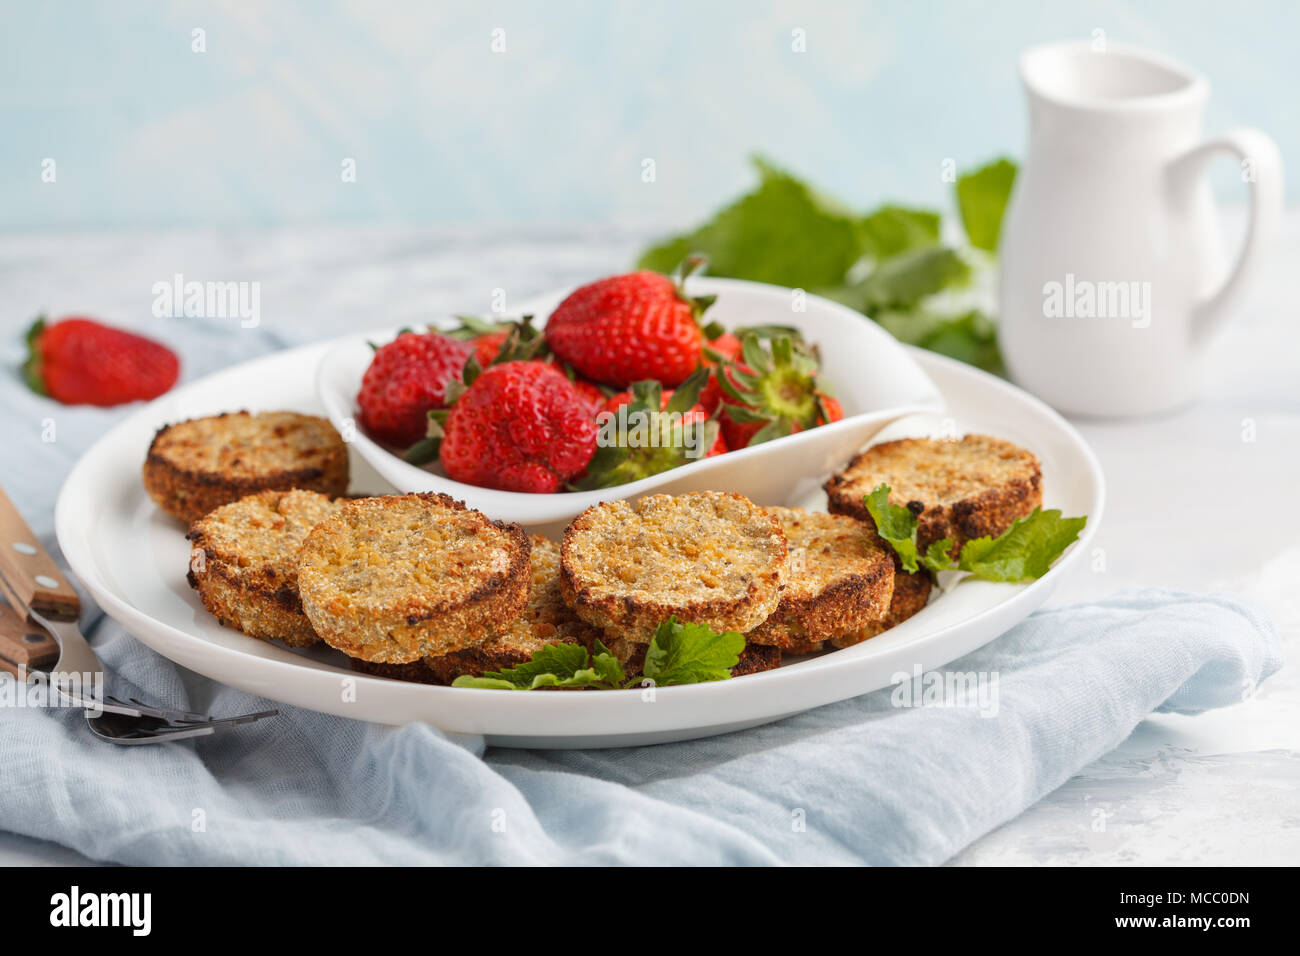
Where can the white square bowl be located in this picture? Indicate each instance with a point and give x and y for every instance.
(874, 378)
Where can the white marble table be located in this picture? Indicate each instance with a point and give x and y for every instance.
(1191, 504)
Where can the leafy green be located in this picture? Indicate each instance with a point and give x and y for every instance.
(1023, 552)
(555, 665)
(904, 281)
(969, 337)
(892, 230)
(982, 199)
(684, 653)
(887, 263)
(782, 232)
(679, 653)
(896, 524)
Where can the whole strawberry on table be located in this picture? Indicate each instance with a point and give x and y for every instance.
(80, 361)
(505, 405)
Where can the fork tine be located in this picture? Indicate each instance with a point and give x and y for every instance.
(231, 721)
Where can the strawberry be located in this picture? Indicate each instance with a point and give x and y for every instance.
(591, 392)
(770, 394)
(695, 413)
(724, 348)
(644, 432)
(518, 426)
(488, 346)
(79, 361)
(631, 328)
(406, 378)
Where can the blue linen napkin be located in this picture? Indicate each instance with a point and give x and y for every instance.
(861, 781)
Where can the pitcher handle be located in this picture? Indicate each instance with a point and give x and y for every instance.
(1262, 169)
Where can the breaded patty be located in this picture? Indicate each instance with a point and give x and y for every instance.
(840, 580)
(957, 489)
(706, 557)
(244, 562)
(198, 465)
(415, 672)
(399, 577)
(754, 658)
(546, 619)
(911, 591)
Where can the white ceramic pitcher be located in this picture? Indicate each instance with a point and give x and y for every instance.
(1113, 275)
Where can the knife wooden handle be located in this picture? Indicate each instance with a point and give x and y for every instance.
(29, 578)
(24, 645)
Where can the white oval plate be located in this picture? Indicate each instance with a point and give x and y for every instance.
(132, 559)
(875, 379)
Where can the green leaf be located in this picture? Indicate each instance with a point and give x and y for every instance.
(895, 524)
(33, 374)
(423, 451)
(687, 394)
(982, 199)
(782, 232)
(969, 337)
(1025, 550)
(1021, 553)
(608, 668)
(891, 230)
(936, 556)
(555, 665)
(904, 280)
(684, 653)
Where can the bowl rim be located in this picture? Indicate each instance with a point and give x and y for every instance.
(560, 505)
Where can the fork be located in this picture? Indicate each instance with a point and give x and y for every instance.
(44, 602)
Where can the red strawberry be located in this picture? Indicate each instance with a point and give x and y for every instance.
(725, 348)
(519, 426)
(488, 346)
(630, 328)
(770, 395)
(643, 433)
(406, 378)
(594, 397)
(79, 361)
(696, 413)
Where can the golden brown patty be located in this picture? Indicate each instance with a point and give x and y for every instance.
(244, 562)
(957, 489)
(416, 671)
(840, 580)
(400, 577)
(911, 591)
(198, 465)
(546, 619)
(754, 658)
(707, 557)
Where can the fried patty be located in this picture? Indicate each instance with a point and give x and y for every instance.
(840, 580)
(546, 619)
(706, 557)
(957, 489)
(399, 577)
(195, 466)
(911, 592)
(244, 562)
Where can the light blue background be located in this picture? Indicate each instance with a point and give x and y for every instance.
(253, 132)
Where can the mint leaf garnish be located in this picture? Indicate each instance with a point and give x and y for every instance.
(684, 653)
(555, 665)
(895, 524)
(1023, 552)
